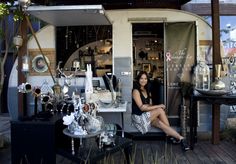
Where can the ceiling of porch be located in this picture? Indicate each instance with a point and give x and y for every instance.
(116, 4)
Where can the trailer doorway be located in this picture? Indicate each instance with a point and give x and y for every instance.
(171, 48)
(148, 55)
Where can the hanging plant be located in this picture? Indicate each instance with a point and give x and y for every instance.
(4, 9)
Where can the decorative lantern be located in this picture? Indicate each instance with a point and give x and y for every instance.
(202, 76)
(25, 63)
(18, 41)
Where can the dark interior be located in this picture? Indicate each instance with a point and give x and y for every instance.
(151, 29)
(70, 38)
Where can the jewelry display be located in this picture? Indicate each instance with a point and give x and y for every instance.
(83, 123)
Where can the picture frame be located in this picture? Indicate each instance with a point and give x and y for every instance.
(146, 67)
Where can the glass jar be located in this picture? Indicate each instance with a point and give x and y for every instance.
(202, 76)
(75, 65)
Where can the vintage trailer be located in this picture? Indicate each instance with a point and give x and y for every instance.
(186, 39)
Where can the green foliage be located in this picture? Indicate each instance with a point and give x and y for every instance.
(143, 156)
(18, 15)
(229, 134)
(132, 157)
(5, 10)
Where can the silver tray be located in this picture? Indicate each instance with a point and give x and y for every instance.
(213, 92)
(68, 133)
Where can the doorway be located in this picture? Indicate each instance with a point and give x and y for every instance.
(148, 55)
(171, 48)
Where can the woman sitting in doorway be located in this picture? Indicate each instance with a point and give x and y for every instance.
(144, 114)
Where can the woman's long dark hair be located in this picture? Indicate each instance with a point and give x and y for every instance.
(137, 85)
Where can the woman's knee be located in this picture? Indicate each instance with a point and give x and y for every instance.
(157, 113)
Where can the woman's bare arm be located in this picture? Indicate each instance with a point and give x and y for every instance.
(144, 107)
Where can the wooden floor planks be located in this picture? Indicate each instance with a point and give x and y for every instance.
(151, 152)
(159, 152)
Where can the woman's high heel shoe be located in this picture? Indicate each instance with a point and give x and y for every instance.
(184, 145)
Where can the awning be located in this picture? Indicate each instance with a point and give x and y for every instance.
(76, 15)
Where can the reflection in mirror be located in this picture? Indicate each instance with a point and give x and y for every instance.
(77, 46)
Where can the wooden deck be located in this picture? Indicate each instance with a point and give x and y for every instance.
(151, 152)
(160, 152)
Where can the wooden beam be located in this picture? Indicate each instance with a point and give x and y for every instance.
(21, 77)
(215, 34)
(216, 60)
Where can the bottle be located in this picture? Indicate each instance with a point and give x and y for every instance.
(202, 76)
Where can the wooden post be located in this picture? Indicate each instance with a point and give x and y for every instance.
(21, 77)
(216, 60)
(215, 33)
(215, 124)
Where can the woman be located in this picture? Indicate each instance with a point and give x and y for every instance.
(145, 114)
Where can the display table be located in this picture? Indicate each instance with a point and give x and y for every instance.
(35, 141)
(216, 101)
(80, 137)
(121, 108)
(91, 153)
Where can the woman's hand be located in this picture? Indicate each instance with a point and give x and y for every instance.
(162, 106)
